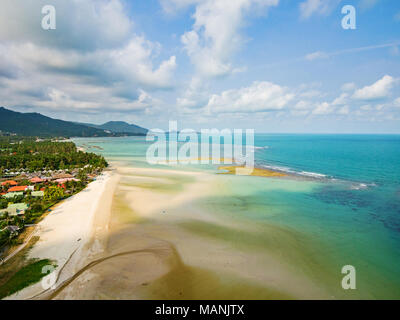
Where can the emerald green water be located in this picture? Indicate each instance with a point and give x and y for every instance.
(348, 214)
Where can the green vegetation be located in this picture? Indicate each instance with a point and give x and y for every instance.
(44, 158)
(121, 127)
(9, 268)
(44, 155)
(53, 193)
(3, 203)
(35, 124)
(26, 276)
(4, 237)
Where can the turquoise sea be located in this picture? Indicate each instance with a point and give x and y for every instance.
(345, 197)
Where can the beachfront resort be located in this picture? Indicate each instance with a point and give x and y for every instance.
(35, 175)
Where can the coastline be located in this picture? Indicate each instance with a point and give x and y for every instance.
(68, 233)
(147, 235)
(158, 247)
(167, 233)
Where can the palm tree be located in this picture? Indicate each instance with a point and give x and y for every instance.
(53, 193)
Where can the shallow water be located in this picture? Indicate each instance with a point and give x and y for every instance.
(348, 215)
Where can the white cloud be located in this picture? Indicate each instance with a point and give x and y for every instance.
(341, 100)
(325, 55)
(134, 60)
(378, 90)
(349, 86)
(81, 24)
(316, 55)
(260, 96)
(299, 113)
(320, 7)
(345, 110)
(213, 40)
(171, 6)
(57, 98)
(310, 94)
(367, 4)
(323, 108)
(303, 105)
(215, 34)
(88, 63)
(267, 99)
(195, 96)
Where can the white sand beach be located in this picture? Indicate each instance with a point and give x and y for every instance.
(139, 233)
(70, 229)
(152, 251)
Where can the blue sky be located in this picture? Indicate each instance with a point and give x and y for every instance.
(269, 65)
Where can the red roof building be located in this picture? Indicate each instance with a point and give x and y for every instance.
(18, 189)
(10, 182)
(36, 180)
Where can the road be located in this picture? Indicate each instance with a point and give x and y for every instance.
(22, 246)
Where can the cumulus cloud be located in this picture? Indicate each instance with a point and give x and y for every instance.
(88, 63)
(303, 105)
(268, 99)
(57, 98)
(341, 100)
(82, 25)
(214, 38)
(378, 90)
(310, 94)
(320, 7)
(260, 96)
(349, 86)
(323, 109)
(215, 34)
(195, 96)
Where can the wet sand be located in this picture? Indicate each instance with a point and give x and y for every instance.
(71, 233)
(160, 244)
(258, 172)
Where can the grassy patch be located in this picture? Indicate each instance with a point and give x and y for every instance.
(9, 268)
(26, 276)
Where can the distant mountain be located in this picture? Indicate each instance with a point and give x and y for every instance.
(35, 124)
(120, 127)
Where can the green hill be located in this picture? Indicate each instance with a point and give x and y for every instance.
(120, 127)
(35, 124)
